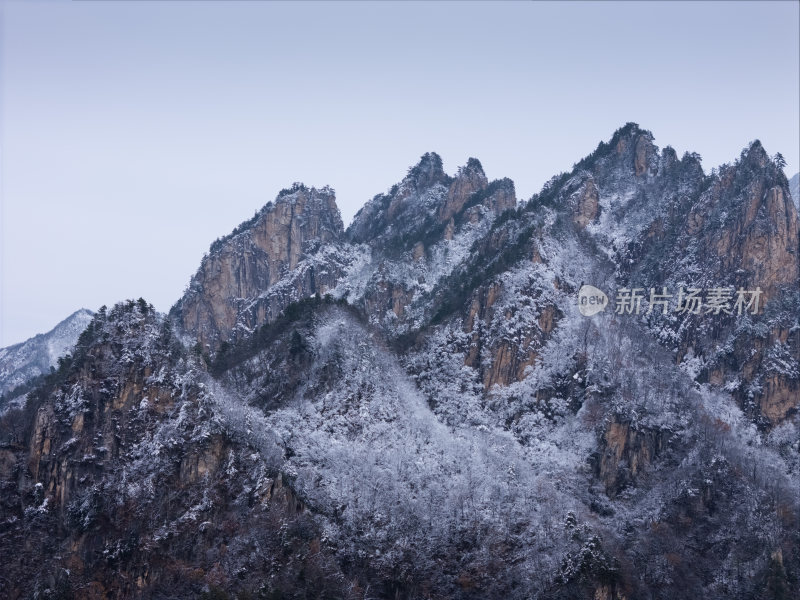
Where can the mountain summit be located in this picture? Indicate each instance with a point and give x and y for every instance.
(255, 257)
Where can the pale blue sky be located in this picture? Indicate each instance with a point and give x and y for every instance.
(134, 134)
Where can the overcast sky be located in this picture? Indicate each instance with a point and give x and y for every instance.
(134, 134)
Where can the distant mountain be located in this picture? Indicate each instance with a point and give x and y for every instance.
(794, 189)
(33, 357)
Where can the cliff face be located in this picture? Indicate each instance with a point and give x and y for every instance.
(755, 245)
(240, 267)
(737, 230)
(416, 407)
(743, 222)
(626, 454)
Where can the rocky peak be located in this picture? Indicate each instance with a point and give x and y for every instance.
(469, 180)
(635, 146)
(629, 155)
(629, 132)
(426, 201)
(631, 148)
(762, 236)
(669, 156)
(473, 164)
(755, 155)
(737, 229)
(313, 212)
(427, 172)
(254, 257)
(405, 206)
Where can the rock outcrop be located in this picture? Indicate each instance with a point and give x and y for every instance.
(469, 180)
(259, 254)
(625, 454)
(586, 204)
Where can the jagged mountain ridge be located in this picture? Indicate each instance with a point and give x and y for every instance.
(34, 357)
(398, 258)
(441, 414)
(239, 297)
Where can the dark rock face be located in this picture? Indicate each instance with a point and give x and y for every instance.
(415, 407)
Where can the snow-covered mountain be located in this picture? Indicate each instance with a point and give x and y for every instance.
(35, 356)
(794, 188)
(417, 407)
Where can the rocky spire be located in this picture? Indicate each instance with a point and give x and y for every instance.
(254, 257)
(427, 172)
(470, 179)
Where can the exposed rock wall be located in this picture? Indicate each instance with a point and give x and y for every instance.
(242, 266)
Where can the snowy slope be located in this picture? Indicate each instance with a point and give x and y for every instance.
(33, 357)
